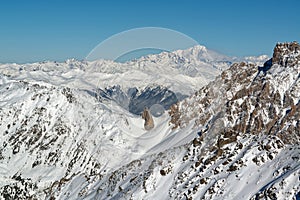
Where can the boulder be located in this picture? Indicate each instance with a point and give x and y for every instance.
(149, 123)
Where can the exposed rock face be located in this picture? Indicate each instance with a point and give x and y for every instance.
(251, 99)
(149, 123)
(286, 53)
(135, 100)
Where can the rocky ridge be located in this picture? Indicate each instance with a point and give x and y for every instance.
(247, 126)
(247, 122)
(250, 99)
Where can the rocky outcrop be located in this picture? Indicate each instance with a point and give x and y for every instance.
(250, 99)
(149, 123)
(286, 54)
(135, 100)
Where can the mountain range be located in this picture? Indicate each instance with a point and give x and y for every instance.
(225, 127)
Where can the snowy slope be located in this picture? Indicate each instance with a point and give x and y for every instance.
(248, 119)
(236, 138)
(53, 128)
(52, 133)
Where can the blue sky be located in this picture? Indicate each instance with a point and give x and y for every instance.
(36, 30)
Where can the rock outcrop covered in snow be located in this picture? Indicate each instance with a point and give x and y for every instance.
(251, 99)
(149, 123)
(286, 54)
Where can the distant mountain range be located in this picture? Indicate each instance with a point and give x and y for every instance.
(183, 71)
(179, 73)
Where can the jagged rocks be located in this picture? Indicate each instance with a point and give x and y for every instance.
(175, 116)
(283, 53)
(135, 100)
(149, 123)
(248, 100)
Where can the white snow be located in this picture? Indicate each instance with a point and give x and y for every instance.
(73, 146)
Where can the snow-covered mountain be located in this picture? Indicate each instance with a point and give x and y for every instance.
(66, 131)
(183, 71)
(180, 73)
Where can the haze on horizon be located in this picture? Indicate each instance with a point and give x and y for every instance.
(54, 30)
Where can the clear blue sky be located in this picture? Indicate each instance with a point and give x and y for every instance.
(37, 30)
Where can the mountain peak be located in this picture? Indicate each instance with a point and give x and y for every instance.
(200, 53)
(198, 48)
(243, 89)
(286, 53)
